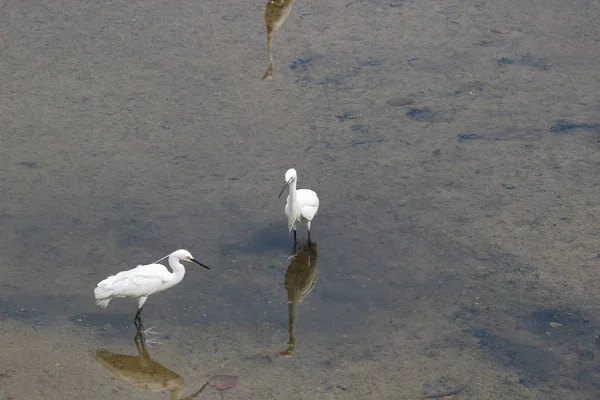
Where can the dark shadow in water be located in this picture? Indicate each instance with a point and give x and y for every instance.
(300, 280)
(35, 310)
(276, 12)
(549, 349)
(270, 238)
(19, 312)
(102, 320)
(47, 310)
(559, 325)
(561, 357)
(535, 364)
(145, 373)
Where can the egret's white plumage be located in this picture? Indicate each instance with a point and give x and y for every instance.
(301, 204)
(142, 281)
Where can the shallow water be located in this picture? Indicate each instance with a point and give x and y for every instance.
(453, 146)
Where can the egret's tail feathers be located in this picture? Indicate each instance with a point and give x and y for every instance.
(291, 226)
(103, 296)
(103, 302)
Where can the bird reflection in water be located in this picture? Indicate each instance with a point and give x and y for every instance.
(300, 280)
(276, 13)
(145, 373)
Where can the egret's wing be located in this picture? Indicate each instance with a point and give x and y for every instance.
(136, 282)
(287, 206)
(309, 203)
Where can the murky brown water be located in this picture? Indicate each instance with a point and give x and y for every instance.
(454, 146)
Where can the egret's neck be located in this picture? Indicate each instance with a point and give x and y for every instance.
(293, 193)
(178, 270)
(293, 211)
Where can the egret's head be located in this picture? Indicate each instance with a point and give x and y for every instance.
(185, 255)
(290, 176)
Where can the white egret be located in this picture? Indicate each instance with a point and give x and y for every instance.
(142, 281)
(301, 204)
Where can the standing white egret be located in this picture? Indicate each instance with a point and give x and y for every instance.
(301, 204)
(142, 281)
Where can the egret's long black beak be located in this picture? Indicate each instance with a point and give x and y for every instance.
(199, 263)
(285, 185)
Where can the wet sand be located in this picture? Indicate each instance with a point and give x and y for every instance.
(454, 147)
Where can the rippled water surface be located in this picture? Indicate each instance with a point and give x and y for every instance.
(453, 145)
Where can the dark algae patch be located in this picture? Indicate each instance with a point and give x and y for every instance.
(301, 64)
(527, 60)
(564, 126)
(422, 114)
(463, 137)
(540, 63)
(505, 61)
(346, 115)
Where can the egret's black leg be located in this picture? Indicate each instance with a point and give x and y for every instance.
(137, 321)
(294, 236)
(309, 236)
(139, 342)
